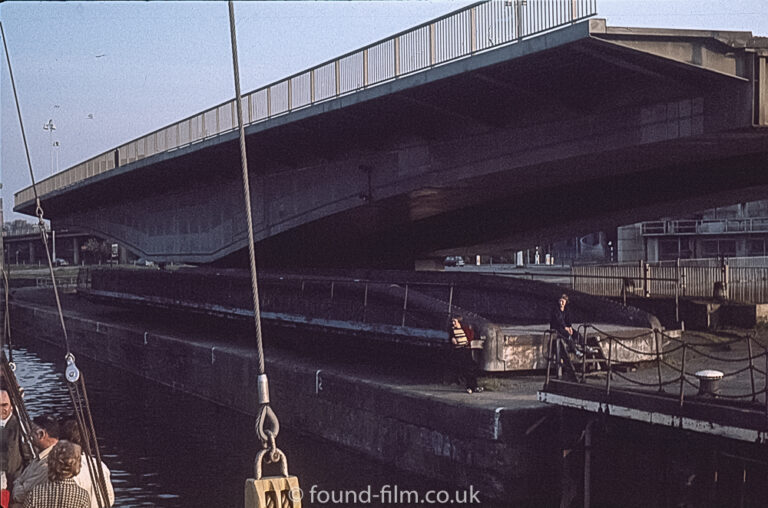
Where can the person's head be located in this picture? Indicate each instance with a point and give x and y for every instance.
(456, 321)
(70, 431)
(45, 432)
(64, 461)
(5, 405)
(563, 301)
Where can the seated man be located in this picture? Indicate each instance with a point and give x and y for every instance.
(560, 321)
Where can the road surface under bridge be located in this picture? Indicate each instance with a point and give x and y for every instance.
(559, 133)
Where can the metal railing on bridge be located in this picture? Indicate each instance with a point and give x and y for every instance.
(475, 28)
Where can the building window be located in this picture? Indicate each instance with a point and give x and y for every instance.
(709, 248)
(727, 247)
(756, 248)
(668, 249)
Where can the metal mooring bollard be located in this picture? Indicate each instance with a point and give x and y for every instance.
(709, 382)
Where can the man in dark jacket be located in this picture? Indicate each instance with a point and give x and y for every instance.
(560, 321)
(14, 455)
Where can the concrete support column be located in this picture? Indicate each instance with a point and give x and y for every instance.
(122, 255)
(31, 253)
(75, 251)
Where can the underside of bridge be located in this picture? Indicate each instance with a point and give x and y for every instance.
(576, 130)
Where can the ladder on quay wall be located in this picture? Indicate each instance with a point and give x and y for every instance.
(591, 358)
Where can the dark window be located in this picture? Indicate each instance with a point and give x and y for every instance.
(727, 248)
(755, 247)
(709, 248)
(668, 249)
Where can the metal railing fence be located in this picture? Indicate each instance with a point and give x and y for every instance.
(705, 226)
(714, 279)
(740, 360)
(475, 28)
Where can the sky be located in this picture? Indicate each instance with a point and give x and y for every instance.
(110, 72)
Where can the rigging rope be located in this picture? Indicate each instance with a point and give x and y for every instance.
(265, 415)
(77, 392)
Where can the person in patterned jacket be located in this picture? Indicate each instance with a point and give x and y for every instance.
(60, 491)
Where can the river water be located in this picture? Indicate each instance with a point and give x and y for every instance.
(169, 449)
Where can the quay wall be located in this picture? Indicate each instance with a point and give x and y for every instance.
(507, 453)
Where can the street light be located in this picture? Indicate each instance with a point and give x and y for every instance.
(56, 148)
(50, 128)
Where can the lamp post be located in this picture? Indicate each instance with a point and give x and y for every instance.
(50, 127)
(56, 148)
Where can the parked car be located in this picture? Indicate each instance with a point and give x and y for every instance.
(60, 262)
(143, 262)
(454, 261)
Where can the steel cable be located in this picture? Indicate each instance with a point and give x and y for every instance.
(266, 414)
(75, 395)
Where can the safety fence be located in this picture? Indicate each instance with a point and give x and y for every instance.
(418, 304)
(747, 284)
(475, 28)
(740, 377)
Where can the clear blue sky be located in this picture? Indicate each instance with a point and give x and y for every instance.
(109, 72)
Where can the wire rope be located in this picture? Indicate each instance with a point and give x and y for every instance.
(88, 432)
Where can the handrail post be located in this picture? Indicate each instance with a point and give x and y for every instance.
(549, 360)
(396, 55)
(290, 93)
(646, 279)
(337, 69)
(365, 303)
(677, 290)
(584, 352)
(405, 305)
(431, 44)
(312, 86)
(609, 374)
(472, 30)
(682, 376)
(365, 67)
(658, 357)
(751, 367)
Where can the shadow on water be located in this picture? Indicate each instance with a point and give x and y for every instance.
(169, 449)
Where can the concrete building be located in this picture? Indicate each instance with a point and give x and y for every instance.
(739, 230)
